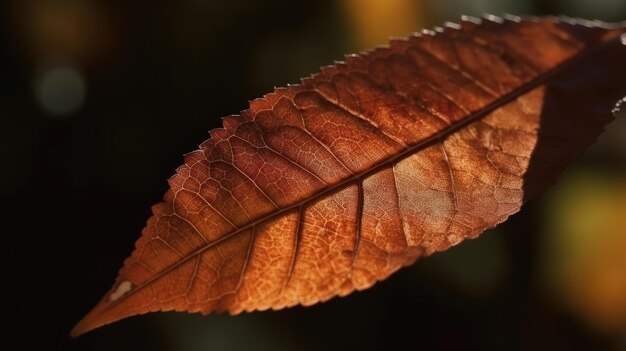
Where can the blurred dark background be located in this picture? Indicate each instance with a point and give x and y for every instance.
(100, 99)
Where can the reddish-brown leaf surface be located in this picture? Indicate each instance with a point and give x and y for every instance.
(327, 187)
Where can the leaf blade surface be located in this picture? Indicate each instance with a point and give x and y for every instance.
(331, 185)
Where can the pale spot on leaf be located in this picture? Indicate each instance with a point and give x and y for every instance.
(122, 289)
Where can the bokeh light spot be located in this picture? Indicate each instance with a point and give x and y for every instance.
(583, 251)
(60, 91)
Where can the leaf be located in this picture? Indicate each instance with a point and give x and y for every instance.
(331, 185)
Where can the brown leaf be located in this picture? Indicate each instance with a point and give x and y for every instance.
(331, 185)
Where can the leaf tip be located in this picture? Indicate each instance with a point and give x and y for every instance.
(107, 311)
(88, 323)
(99, 316)
(78, 330)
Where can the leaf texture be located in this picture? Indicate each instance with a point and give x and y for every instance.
(331, 185)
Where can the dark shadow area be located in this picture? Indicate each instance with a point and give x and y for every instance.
(577, 106)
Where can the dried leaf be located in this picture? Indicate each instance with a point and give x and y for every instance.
(331, 185)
